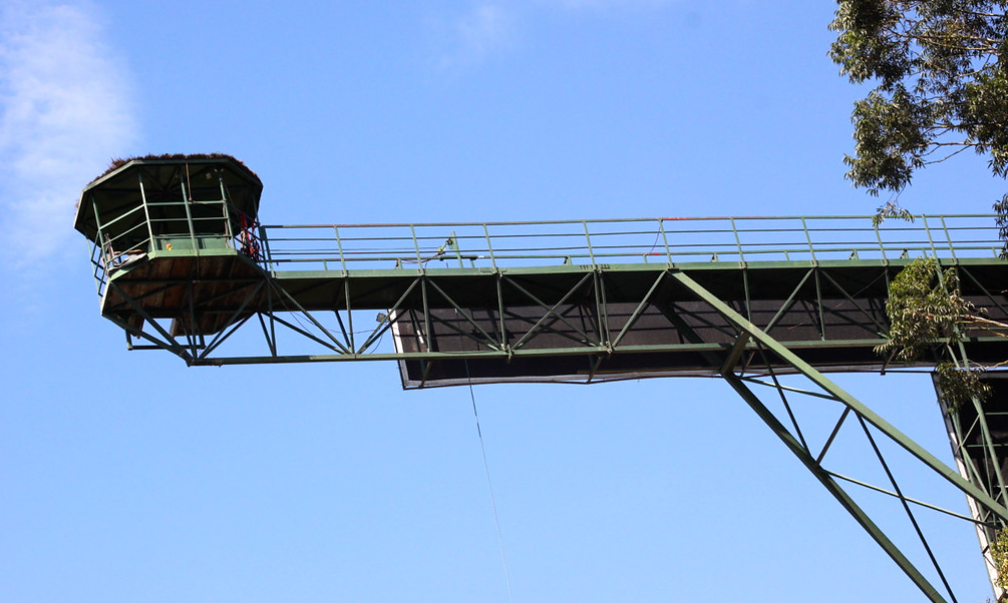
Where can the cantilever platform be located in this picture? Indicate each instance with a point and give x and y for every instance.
(535, 302)
(182, 264)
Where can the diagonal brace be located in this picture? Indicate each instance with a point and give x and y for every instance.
(834, 488)
(858, 407)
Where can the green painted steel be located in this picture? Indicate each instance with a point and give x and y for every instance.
(826, 479)
(842, 396)
(181, 264)
(623, 244)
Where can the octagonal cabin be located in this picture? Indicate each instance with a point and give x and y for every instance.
(169, 237)
(170, 203)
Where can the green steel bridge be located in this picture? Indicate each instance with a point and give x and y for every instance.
(182, 264)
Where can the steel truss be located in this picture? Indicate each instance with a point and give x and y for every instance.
(993, 512)
(832, 315)
(590, 323)
(181, 264)
(977, 432)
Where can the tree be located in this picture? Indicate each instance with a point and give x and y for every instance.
(927, 313)
(940, 69)
(941, 74)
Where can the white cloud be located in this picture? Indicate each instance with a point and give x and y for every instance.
(65, 110)
(486, 29)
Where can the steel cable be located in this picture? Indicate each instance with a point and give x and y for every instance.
(486, 467)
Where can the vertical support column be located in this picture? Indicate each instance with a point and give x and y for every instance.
(995, 510)
(339, 245)
(668, 252)
(267, 259)
(416, 246)
(878, 237)
(927, 229)
(105, 246)
(829, 483)
(591, 252)
(808, 239)
(226, 213)
(968, 469)
(146, 208)
(490, 251)
(845, 398)
(738, 242)
(188, 213)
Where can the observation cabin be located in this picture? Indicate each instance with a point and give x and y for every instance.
(155, 220)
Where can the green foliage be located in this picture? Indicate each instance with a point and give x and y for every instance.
(1001, 207)
(941, 84)
(999, 552)
(924, 308)
(891, 209)
(927, 312)
(891, 141)
(959, 385)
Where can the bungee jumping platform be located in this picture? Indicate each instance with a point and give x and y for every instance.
(182, 263)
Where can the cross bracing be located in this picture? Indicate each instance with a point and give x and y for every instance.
(759, 302)
(534, 292)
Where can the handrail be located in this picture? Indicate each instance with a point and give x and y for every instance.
(739, 240)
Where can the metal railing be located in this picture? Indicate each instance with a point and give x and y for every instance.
(346, 247)
(147, 233)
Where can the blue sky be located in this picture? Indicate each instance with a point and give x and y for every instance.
(129, 477)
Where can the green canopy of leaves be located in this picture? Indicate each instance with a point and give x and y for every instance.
(941, 84)
(927, 312)
(999, 552)
(958, 385)
(924, 308)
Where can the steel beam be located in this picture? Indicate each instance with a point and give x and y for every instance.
(859, 408)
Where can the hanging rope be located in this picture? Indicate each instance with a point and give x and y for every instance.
(486, 467)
